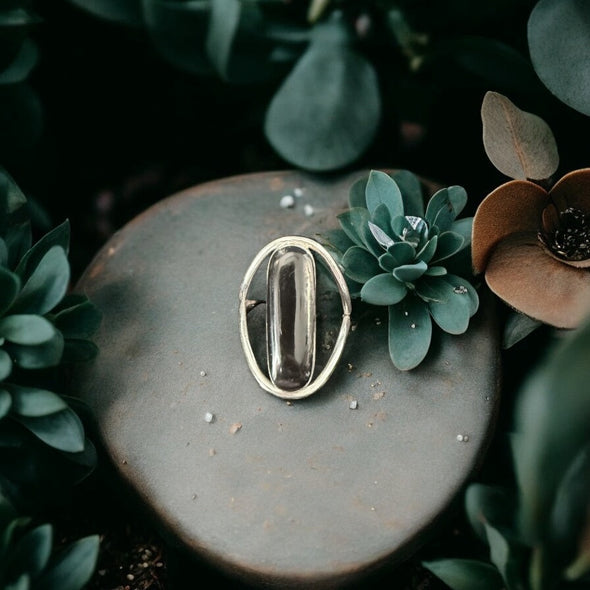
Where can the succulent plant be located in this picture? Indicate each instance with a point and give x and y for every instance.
(27, 559)
(398, 254)
(41, 327)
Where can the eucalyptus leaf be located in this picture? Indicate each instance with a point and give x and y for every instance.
(558, 33)
(124, 12)
(33, 550)
(466, 574)
(60, 430)
(46, 285)
(411, 190)
(26, 329)
(382, 190)
(519, 144)
(178, 30)
(410, 333)
(327, 111)
(517, 327)
(360, 265)
(383, 289)
(72, 568)
(34, 402)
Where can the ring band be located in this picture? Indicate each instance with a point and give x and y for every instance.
(290, 317)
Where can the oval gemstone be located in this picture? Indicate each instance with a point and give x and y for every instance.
(291, 317)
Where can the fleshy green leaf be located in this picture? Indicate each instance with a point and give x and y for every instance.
(410, 332)
(444, 206)
(436, 271)
(47, 284)
(449, 243)
(124, 12)
(72, 568)
(59, 236)
(383, 289)
(380, 236)
(466, 574)
(409, 273)
(558, 32)
(411, 190)
(178, 30)
(519, 144)
(518, 326)
(505, 558)
(33, 402)
(356, 196)
(9, 289)
(360, 265)
(491, 504)
(15, 227)
(355, 222)
(5, 402)
(428, 250)
(463, 287)
(21, 583)
(61, 430)
(223, 27)
(402, 253)
(382, 190)
(327, 111)
(382, 218)
(22, 64)
(449, 309)
(33, 550)
(40, 356)
(26, 329)
(337, 238)
(80, 321)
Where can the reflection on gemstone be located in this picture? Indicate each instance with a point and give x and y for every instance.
(291, 317)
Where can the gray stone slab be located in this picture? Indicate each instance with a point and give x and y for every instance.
(274, 492)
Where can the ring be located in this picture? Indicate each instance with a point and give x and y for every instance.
(291, 317)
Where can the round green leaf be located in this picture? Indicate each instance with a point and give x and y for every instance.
(47, 284)
(402, 253)
(463, 287)
(21, 583)
(72, 568)
(383, 289)
(22, 64)
(124, 12)
(519, 144)
(327, 111)
(428, 250)
(33, 402)
(360, 265)
(60, 430)
(489, 504)
(408, 273)
(517, 327)
(410, 333)
(5, 402)
(9, 288)
(178, 30)
(356, 196)
(444, 206)
(558, 33)
(450, 309)
(466, 574)
(355, 222)
(448, 244)
(383, 190)
(26, 329)
(80, 321)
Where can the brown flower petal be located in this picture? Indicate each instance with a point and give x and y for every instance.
(513, 207)
(521, 273)
(573, 190)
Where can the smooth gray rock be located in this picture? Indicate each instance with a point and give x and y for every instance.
(309, 492)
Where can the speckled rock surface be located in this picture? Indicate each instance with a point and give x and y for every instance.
(276, 493)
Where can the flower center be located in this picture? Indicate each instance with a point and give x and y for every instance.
(570, 236)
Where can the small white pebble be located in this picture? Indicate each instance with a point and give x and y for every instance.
(130, 577)
(287, 202)
(235, 427)
(203, 373)
(298, 192)
(353, 405)
(462, 437)
(308, 210)
(209, 417)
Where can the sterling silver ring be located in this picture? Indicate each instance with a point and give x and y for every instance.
(291, 317)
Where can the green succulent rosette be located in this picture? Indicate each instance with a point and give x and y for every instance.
(42, 328)
(413, 260)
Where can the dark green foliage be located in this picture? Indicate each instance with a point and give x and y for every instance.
(399, 259)
(28, 560)
(331, 61)
(41, 328)
(538, 534)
